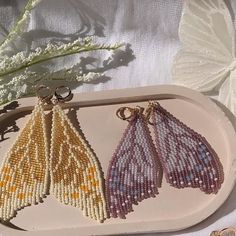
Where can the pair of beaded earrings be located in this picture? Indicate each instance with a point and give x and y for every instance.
(136, 168)
(67, 167)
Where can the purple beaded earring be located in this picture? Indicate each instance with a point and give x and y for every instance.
(188, 160)
(134, 173)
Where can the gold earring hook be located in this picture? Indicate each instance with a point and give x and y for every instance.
(149, 111)
(60, 97)
(122, 112)
(47, 97)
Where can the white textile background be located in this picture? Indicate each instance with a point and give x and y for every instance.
(149, 28)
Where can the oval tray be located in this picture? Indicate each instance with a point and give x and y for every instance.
(173, 209)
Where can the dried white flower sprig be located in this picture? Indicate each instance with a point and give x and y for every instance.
(21, 61)
(16, 76)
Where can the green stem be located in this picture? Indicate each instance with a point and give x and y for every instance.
(40, 60)
(14, 31)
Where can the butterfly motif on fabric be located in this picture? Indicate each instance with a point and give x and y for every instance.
(134, 173)
(24, 172)
(187, 158)
(207, 62)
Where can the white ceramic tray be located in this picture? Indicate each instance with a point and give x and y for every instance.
(172, 209)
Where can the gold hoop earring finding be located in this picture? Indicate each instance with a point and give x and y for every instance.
(59, 91)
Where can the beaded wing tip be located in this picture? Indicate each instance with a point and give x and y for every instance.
(24, 172)
(76, 179)
(133, 173)
(187, 158)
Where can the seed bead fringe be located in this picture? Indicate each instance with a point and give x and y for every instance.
(24, 172)
(134, 173)
(187, 158)
(76, 179)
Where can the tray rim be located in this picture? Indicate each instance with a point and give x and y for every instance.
(127, 95)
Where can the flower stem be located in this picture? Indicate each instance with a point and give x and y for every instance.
(66, 53)
(17, 27)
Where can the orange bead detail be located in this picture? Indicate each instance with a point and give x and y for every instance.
(7, 177)
(84, 188)
(2, 184)
(21, 196)
(12, 189)
(6, 169)
(74, 195)
(95, 183)
(92, 169)
(90, 177)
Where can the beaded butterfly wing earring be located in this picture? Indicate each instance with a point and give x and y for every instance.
(187, 158)
(24, 171)
(134, 172)
(76, 179)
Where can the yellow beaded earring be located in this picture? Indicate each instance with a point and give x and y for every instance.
(76, 179)
(24, 171)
